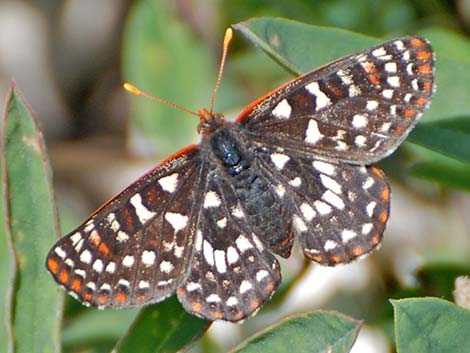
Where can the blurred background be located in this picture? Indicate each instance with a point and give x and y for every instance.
(70, 58)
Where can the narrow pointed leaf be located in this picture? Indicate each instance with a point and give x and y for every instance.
(33, 226)
(7, 270)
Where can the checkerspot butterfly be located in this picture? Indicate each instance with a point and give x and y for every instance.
(207, 222)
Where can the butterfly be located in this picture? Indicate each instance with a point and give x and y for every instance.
(207, 222)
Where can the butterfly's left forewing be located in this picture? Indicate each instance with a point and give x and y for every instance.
(135, 249)
(357, 109)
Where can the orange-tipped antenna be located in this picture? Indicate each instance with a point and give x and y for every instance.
(134, 90)
(227, 38)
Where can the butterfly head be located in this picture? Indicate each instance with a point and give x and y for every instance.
(209, 121)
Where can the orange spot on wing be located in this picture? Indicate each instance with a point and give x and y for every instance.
(238, 315)
(376, 171)
(64, 276)
(357, 251)
(383, 217)
(335, 259)
(121, 297)
(103, 248)
(217, 315)
(196, 307)
(423, 55)
(421, 101)
(385, 195)
(416, 42)
(409, 113)
(87, 297)
(399, 129)
(374, 79)
(254, 304)
(375, 239)
(316, 258)
(424, 69)
(103, 298)
(52, 265)
(270, 287)
(427, 86)
(76, 284)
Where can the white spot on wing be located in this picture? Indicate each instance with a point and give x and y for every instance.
(85, 257)
(366, 228)
(166, 266)
(330, 245)
(359, 121)
(220, 264)
(307, 211)
(243, 244)
(213, 298)
(280, 190)
(322, 207)
(111, 267)
(177, 220)
(245, 286)
(169, 182)
(387, 93)
(368, 183)
(222, 223)
(128, 261)
(192, 286)
(122, 236)
(372, 105)
(330, 184)
(322, 99)
(296, 182)
(208, 253)
(370, 208)
(313, 134)
(379, 52)
(141, 211)
(261, 274)
(279, 160)
(360, 141)
(211, 199)
(347, 235)
(394, 81)
(148, 257)
(299, 224)
(232, 255)
(391, 67)
(98, 265)
(61, 253)
(333, 199)
(282, 110)
(232, 301)
(324, 167)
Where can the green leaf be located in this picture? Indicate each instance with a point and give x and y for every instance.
(431, 325)
(162, 56)
(451, 138)
(301, 47)
(32, 223)
(164, 327)
(318, 331)
(7, 271)
(93, 326)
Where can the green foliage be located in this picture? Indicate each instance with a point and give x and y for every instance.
(431, 325)
(314, 332)
(32, 227)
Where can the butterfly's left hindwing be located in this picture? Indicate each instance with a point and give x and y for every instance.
(136, 248)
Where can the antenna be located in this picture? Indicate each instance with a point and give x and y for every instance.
(203, 114)
(134, 90)
(227, 38)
